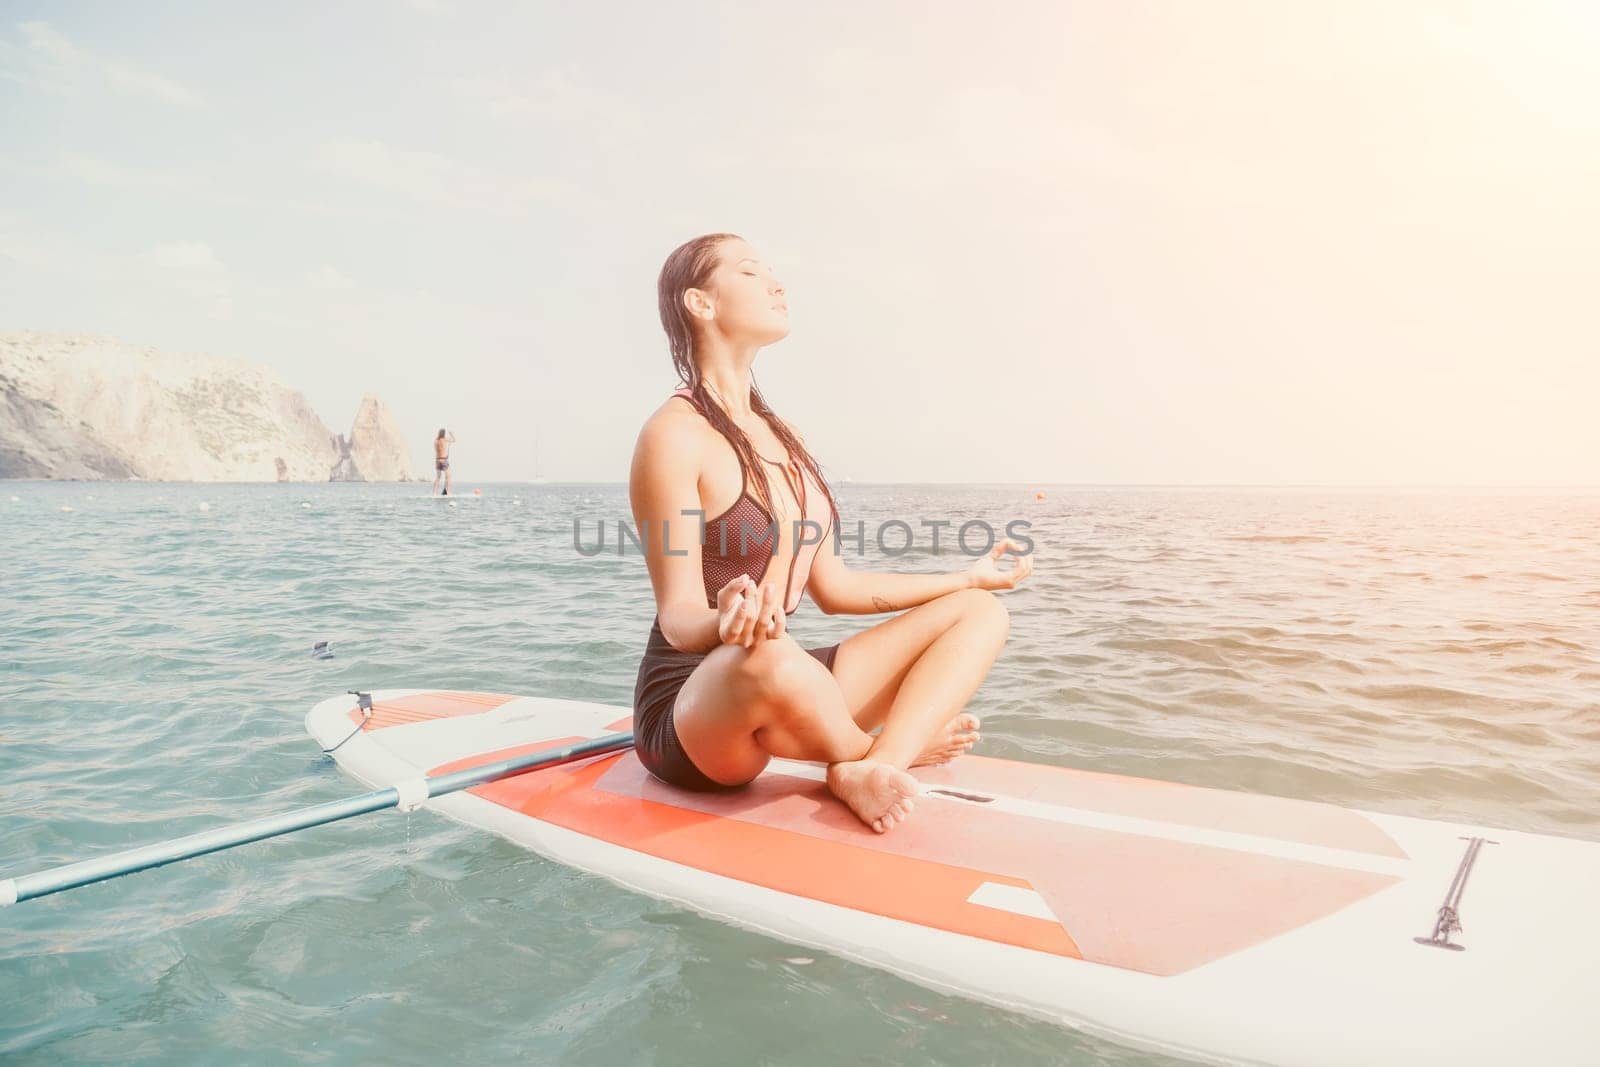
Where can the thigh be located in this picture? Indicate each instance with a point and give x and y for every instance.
(871, 665)
(736, 691)
(743, 704)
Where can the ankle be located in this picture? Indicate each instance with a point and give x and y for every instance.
(892, 756)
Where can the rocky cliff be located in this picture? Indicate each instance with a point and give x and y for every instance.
(84, 406)
(375, 451)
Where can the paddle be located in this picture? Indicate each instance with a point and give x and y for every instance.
(405, 795)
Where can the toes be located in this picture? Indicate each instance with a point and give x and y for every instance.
(897, 813)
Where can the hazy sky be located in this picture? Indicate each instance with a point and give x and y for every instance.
(1308, 243)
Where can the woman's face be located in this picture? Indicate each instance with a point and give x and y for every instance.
(744, 299)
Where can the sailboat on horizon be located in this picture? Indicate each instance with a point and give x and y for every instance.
(538, 469)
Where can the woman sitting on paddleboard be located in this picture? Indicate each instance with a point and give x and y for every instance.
(722, 687)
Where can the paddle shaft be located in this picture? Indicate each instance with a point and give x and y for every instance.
(143, 858)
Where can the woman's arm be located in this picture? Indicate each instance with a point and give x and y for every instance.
(838, 590)
(662, 486)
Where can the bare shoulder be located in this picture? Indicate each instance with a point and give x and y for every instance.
(673, 429)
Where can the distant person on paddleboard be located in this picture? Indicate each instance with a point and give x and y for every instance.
(722, 687)
(441, 459)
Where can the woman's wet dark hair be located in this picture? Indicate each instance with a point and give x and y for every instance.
(690, 266)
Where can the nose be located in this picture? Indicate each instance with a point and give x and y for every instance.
(777, 287)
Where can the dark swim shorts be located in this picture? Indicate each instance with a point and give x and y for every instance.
(662, 672)
(441, 464)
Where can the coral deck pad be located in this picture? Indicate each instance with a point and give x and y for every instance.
(421, 707)
(1145, 903)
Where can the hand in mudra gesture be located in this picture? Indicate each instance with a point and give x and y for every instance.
(747, 613)
(985, 572)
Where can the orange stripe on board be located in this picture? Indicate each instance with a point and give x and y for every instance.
(883, 883)
(1138, 902)
(423, 707)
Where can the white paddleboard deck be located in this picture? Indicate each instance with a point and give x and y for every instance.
(1225, 927)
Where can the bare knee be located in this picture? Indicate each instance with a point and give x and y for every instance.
(984, 605)
(778, 674)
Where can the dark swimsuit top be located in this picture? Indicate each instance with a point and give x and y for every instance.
(720, 557)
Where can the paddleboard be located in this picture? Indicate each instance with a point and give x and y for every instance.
(1218, 926)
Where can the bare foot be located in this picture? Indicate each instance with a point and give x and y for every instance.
(879, 793)
(955, 739)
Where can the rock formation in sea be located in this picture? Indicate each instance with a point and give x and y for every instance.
(375, 451)
(86, 406)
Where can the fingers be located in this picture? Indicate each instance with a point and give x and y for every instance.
(761, 625)
(736, 585)
(747, 616)
(736, 612)
(767, 622)
(1007, 543)
(777, 622)
(760, 605)
(751, 613)
(751, 616)
(1024, 565)
(1024, 568)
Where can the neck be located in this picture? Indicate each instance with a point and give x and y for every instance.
(726, 373)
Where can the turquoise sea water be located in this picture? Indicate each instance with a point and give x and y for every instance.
(1429, 653)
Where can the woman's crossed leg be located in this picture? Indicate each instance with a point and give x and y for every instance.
(911, 674)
